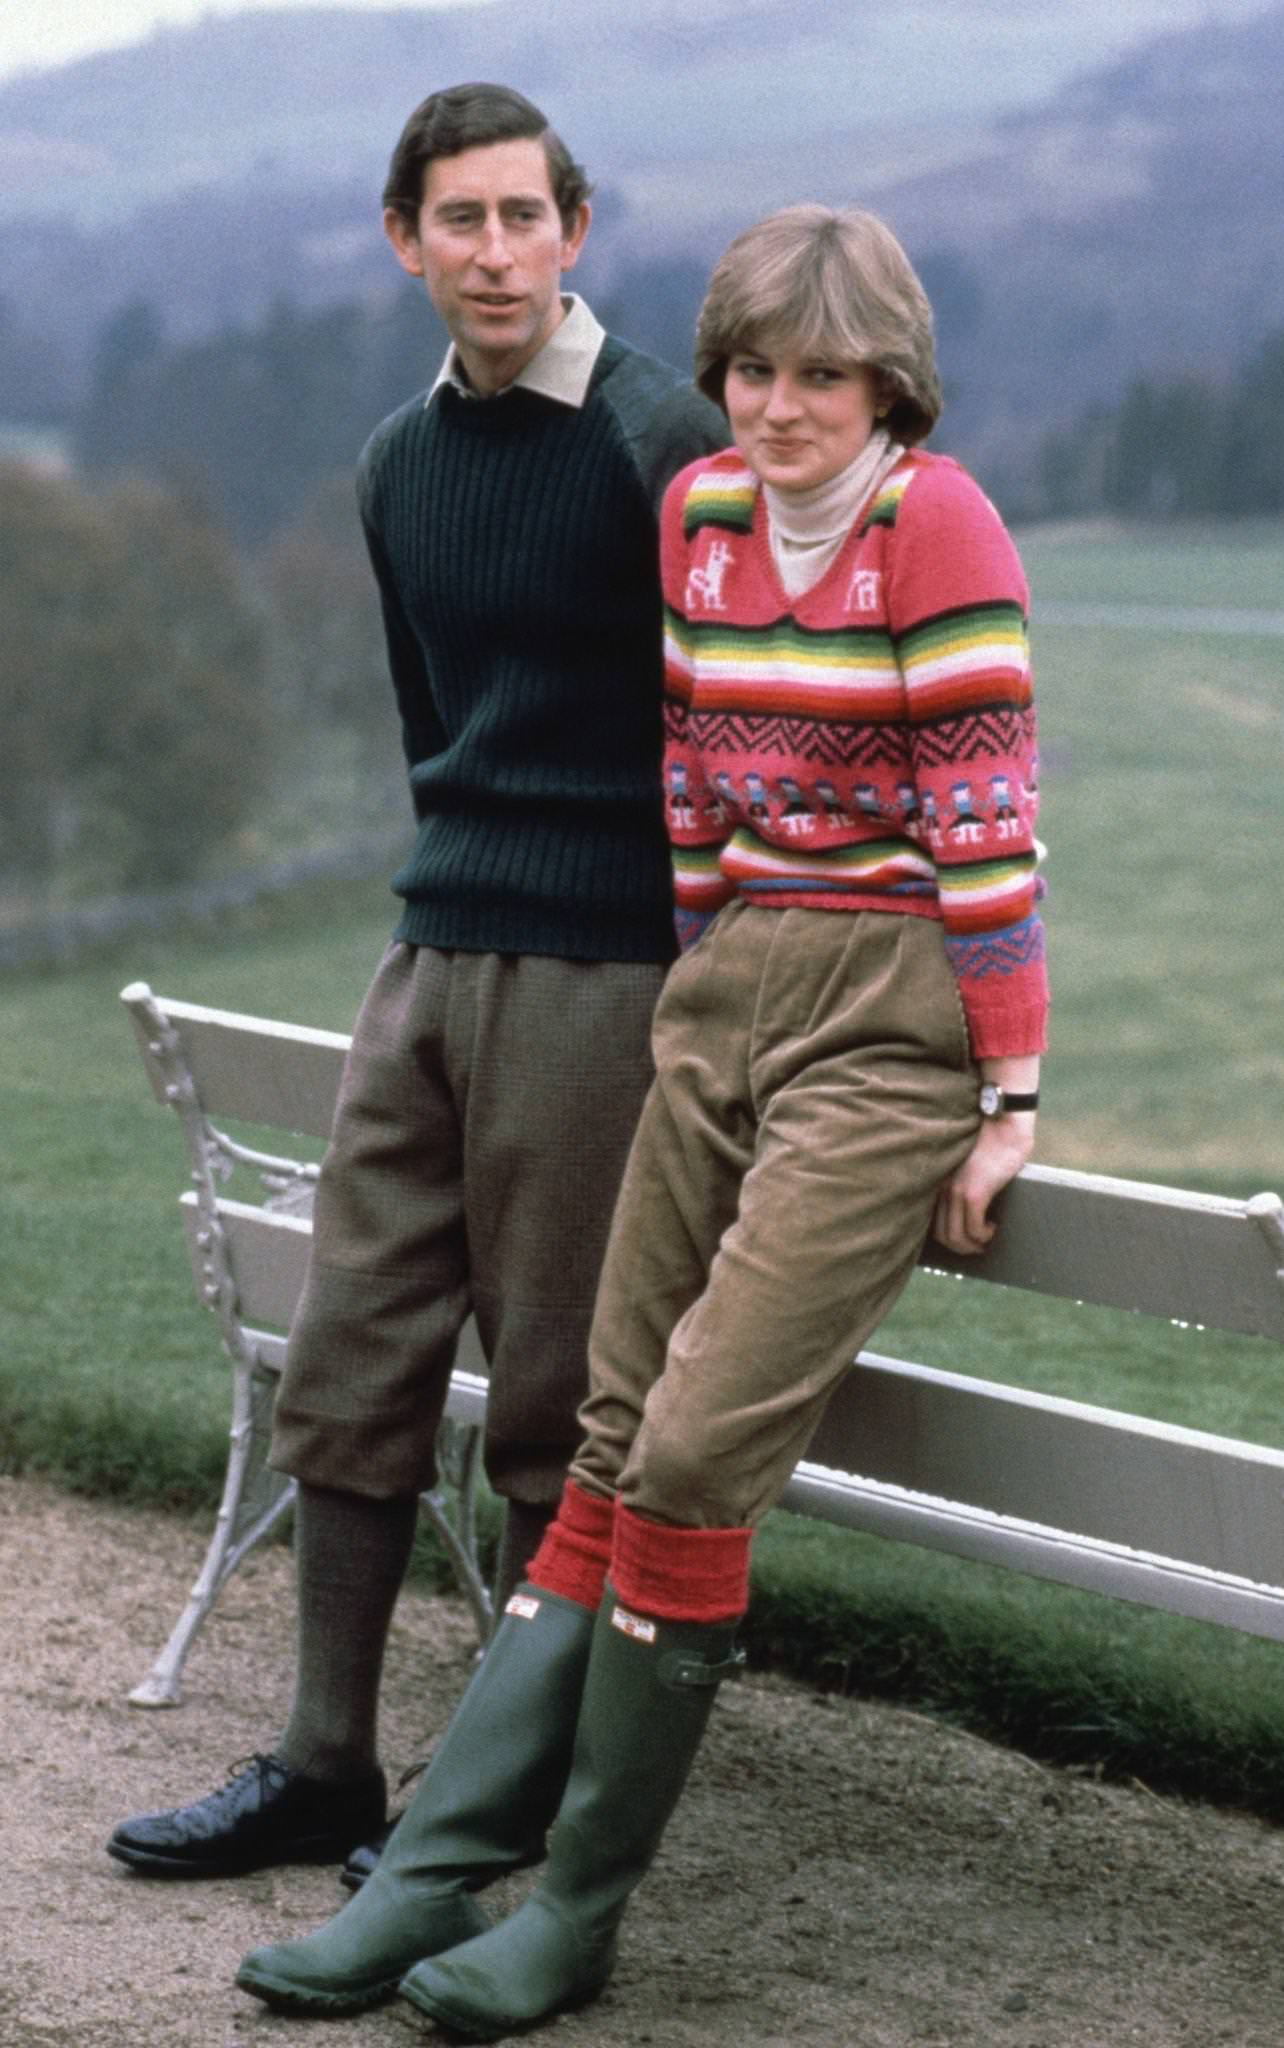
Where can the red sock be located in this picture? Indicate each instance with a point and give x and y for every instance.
(575, 1552)
(680, 1574)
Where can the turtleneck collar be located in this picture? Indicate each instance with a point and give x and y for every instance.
(807, 528)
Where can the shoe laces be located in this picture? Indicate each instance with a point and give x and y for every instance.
(267, 1767)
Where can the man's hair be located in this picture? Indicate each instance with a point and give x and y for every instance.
(472, 117)
(832, 284)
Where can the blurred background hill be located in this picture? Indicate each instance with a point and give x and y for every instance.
(1079, 220)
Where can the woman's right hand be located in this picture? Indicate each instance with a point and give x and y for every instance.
(961, 1220)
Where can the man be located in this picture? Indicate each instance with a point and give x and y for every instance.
(501, 1055)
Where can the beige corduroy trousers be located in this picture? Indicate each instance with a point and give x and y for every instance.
(814, 1088)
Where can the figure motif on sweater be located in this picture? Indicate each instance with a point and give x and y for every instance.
(869, 745)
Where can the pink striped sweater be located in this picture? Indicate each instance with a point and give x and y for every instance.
(869, 745)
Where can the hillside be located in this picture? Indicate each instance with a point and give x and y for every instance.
(1135, 222)
(311, 94)
(1072, 226)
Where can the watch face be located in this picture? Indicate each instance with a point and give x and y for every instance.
(991, 1098)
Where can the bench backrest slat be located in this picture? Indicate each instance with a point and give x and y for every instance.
(1116, 1478)
(1078, 1236)
(1124, 1244)
(267, 1250)
(252, 1069)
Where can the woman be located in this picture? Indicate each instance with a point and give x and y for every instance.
(846, 1053)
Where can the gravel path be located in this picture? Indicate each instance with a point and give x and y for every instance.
(840, 1875)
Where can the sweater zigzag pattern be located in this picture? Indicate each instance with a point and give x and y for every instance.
(869, 745)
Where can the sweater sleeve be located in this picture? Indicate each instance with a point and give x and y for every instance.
(694, 815)
(958, 603)
(684, 426)
(422, 733)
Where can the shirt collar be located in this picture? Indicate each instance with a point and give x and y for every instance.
(562, 368)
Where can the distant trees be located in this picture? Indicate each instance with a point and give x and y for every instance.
(1183, 447)
(327, 662)
(170, 706)
(257, 416)
(138, 732)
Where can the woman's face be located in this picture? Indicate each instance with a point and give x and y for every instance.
(796, 419)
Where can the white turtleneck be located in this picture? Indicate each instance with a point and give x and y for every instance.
(807, 528)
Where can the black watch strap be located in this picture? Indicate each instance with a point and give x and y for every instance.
(996, 1101)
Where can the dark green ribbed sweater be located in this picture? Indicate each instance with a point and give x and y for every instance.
(515, 545)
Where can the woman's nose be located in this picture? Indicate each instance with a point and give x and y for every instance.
(782, 399)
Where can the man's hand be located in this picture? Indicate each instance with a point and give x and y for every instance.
(961, 1219)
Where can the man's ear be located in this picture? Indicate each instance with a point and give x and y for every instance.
(404, 238)
(573, 237)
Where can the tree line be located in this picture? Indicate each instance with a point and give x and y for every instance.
(1174, 448)
(256, 416)
(170, 703)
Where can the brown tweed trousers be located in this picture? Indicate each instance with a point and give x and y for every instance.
(483, 1123)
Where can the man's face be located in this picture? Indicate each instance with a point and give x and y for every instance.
(490, 246)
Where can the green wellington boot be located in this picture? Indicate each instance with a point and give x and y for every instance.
(647, 1697)
(483, 1807)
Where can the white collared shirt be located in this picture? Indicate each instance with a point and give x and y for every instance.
(560, 370)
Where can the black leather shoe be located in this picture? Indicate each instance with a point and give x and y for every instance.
(363, 1859)
(264, 1815)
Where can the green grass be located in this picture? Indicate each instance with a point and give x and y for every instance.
(1163, 806)
(1108, 562)
(1162, 811)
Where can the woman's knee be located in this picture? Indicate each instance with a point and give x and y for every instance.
(674, 1476)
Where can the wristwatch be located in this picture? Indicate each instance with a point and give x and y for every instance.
(996, 1101)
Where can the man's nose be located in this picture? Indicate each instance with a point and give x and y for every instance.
(493, 251)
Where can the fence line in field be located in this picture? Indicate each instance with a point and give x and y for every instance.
(71, 934)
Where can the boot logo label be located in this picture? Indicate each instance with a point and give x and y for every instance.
(641, 1630)
(523, 1606)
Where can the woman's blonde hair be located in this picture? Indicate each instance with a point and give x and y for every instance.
(836, 285)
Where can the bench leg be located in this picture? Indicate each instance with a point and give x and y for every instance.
(254, 1499)
(459, 1464)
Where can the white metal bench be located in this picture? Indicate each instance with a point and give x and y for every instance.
(1148, 1511)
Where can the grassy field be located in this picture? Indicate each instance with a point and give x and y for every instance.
(1162, 809)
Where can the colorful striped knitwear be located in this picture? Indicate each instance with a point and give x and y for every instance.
(870, 744)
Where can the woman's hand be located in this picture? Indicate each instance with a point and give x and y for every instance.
(961, 1220)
